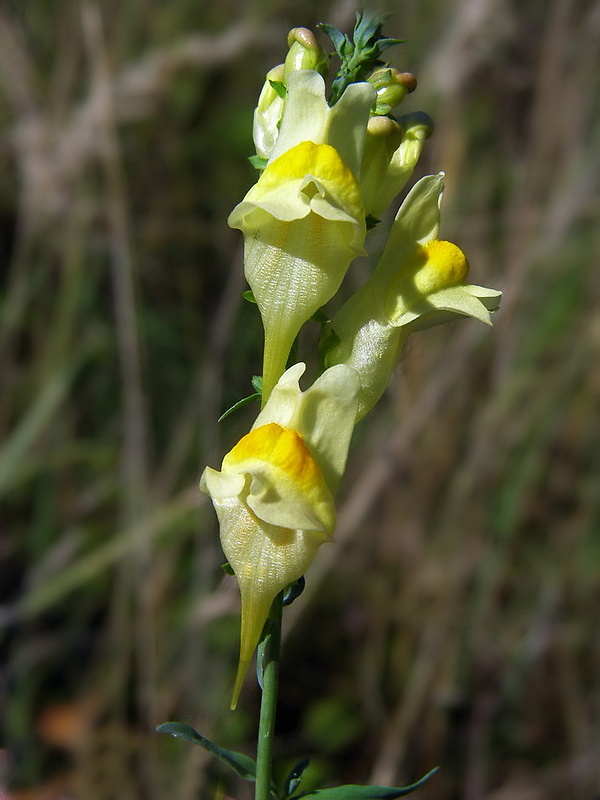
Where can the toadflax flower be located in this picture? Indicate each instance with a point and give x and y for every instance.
(274, 494)
(419, 282)
(304, 220)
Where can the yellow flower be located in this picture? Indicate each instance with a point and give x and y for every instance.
(304, 220)
(274, 494)
(419, 282)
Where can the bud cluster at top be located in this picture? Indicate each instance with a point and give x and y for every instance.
(330, 164)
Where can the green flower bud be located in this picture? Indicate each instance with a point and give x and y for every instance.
(391, 152)
(418, 127)
(305, 53)
(392, 87)
(383, 138)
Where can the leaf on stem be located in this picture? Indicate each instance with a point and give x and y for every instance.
(294, 777)
(240, 763)
(240, 403)
(359, 55)
(257, 385)
(293, 591)
(357, 792)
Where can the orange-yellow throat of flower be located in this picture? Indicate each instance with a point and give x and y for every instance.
(445, 265)
(282, 449)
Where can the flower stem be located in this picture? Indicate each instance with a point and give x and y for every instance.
(271, 644)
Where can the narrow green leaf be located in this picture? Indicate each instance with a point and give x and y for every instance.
(338, 38)
(294, 777)
(361, 55)
(249, 296)
(244, 401)
(357, 792)
(294, 590)
(240, 763)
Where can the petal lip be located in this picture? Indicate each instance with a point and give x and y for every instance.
(308, 177)
(220, 485)
(306, 112)
(286, 486)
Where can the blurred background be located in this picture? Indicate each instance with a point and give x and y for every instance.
(455, 621)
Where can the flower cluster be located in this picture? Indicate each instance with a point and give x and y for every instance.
(329, 168)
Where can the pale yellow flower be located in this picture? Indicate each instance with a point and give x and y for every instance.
(304, 221)
(419, 282)
(274, 494)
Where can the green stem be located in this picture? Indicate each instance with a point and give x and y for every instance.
(271, 644)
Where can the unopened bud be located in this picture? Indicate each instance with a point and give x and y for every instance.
(417, 127)
(383, 138)
(391, 152)
(385, 128)
(392, 87)
(305, 53)
(268, 113)
(418, 124)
